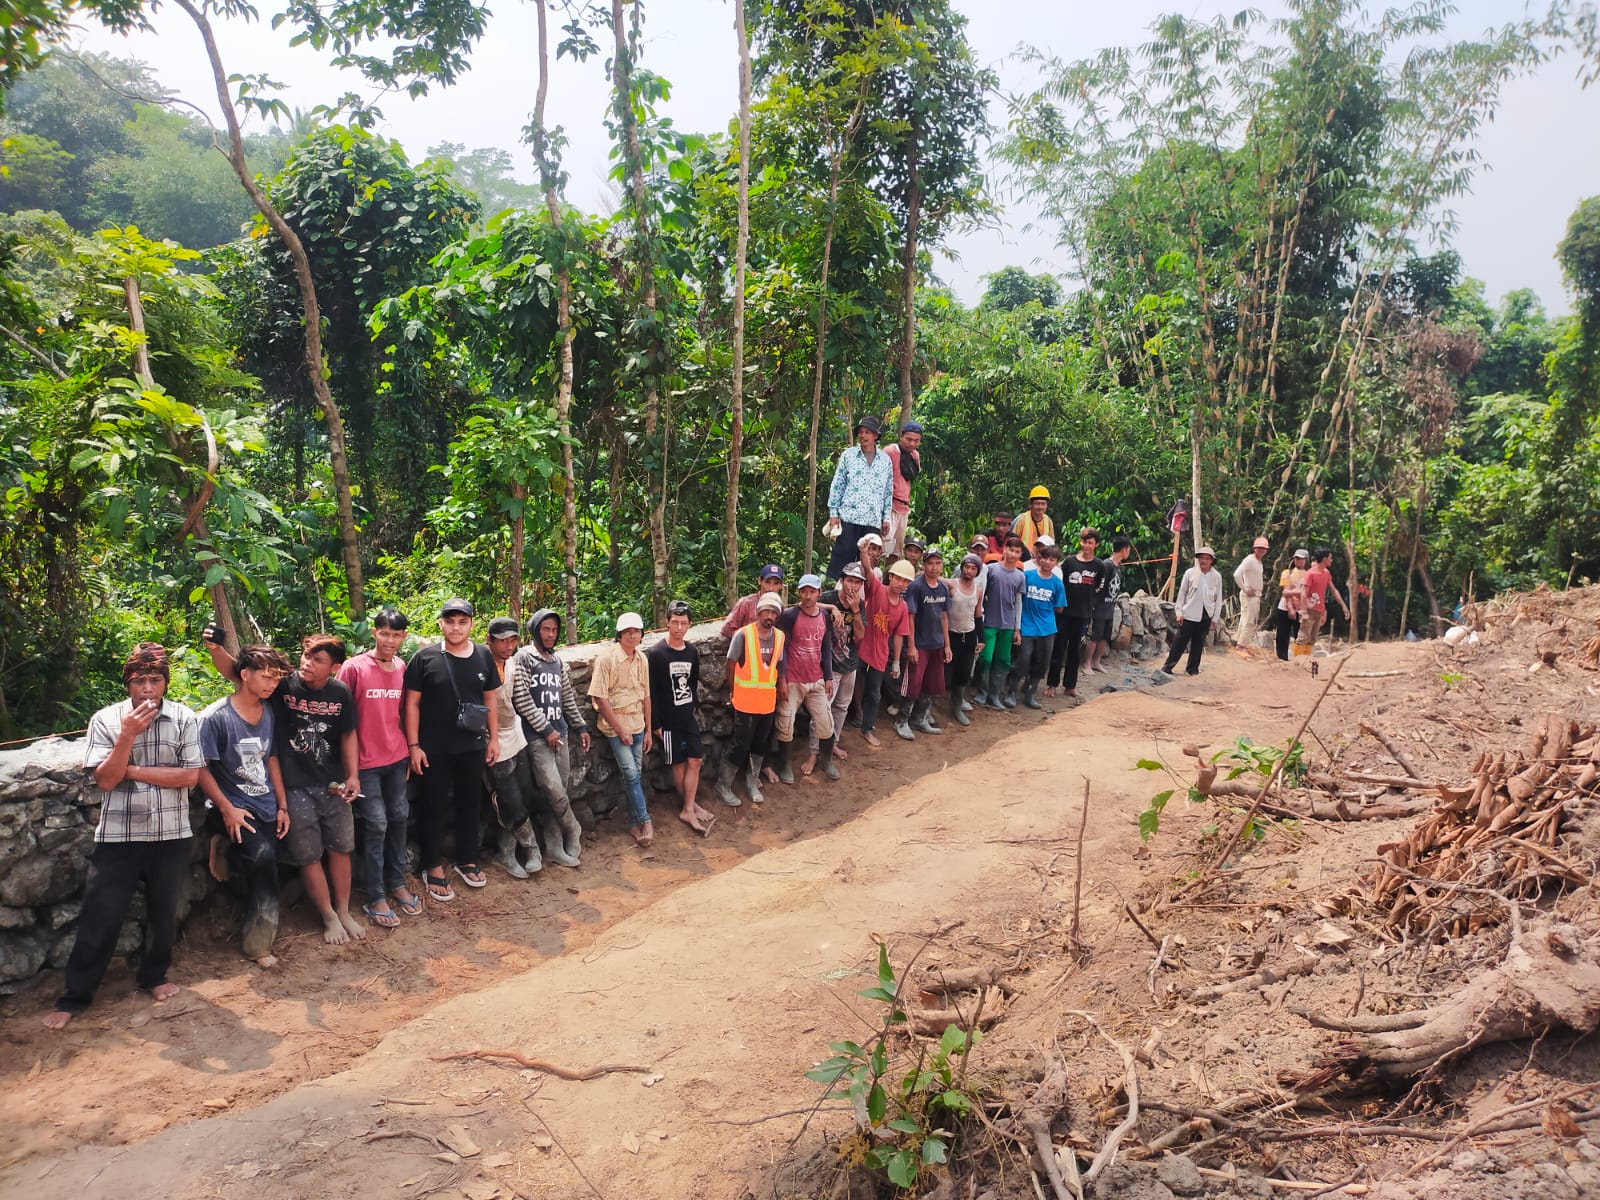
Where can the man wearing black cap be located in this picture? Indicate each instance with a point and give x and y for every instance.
(450, 722)
(745, 610)
(510, 777)
(906, 455)
(143, 754)
(862, 496)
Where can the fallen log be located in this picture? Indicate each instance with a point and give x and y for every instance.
(1549, 981)
(1395, 752)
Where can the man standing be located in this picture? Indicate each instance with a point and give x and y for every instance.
(242, 780)
(1199, 601)
(620, 689)
(808, 675)
(994, 542)
(144, 756)
(1105, 609)
(376, 678)
(1317, 588)
(906, 458)
(755, 677)
(1035, 523)
(1248, 576)
(544, 697)
(314, 722)
(452, 733)
(745, 610)
(928, 605)
(510, 776)
(1002, 624)
(845, 608)
(1044, 596)
(1084, 576)
(674, 693)
(861, 498)
(883, 639)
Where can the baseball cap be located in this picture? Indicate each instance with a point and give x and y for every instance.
(915, 541)
(503, 627)
(769, 600)
(456, 606)
(678, 608)
(980, 540)
(869, 539)
(772, 571)
(854, 571)
(903, 569)
(810, 581)
(1044, 539)
(911, 427)
(630, 620)
(1302, 554)
(933, 552)
(1206, 552)
(1261, 543)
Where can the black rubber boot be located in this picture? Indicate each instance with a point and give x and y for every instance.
(958, 710)
(825, 758)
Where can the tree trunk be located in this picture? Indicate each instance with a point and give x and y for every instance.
(548, 177)
(1427, 588)
(730, 560)
(1194, 478)
(311, 310)
(817, 377)
(194, 521)
(655, 433)
(908, 280)
(519, 528)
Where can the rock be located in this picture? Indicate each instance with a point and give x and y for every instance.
(43, 879)
(1180, 1175)
(1254, 1186)
(1557, 1184)
(1585, 1177)
(1123, 1181)
(58, 915)
(22, 954)
(15, 918)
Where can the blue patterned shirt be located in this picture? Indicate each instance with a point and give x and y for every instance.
(862, 492)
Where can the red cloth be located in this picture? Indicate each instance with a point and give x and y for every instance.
(1318, 580)
(925, 677)
(885, 617)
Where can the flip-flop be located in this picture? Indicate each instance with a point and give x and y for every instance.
(710, 821)
(467, 871)
(438, 887)
(692, 824)
(409, 908)
(386, 920)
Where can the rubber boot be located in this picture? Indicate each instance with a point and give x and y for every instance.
(572, 837)
(752, 780)
(825, 758)
(997, 689)
(1010, 697)
(919, 716)
(508, 855)
(929, 716)
(962, 703)
(959, 707)
(555, 842)
(785, 771)
(724, 783)
(980, 685)
(529, 841)
(1029, 700)
(902, 727)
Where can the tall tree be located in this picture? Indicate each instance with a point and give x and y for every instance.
(741, 253)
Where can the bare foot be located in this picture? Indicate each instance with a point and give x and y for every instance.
(164, 991)
(692, 820)
(840, 753)
(217, 857)
(768, 775)
(59, 1019)
(267, 961)
(809, 765)
(356, 928)
(870, 739)
(707, 818)
(333, 930)
(1049, 691)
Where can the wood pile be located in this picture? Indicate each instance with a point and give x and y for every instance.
(1493, 842)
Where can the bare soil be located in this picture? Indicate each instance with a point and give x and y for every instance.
(726, 966)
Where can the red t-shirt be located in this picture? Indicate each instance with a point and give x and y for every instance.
(803, 649)
(1318, 580)
(885, 617)
(378, 694)
(901, 501)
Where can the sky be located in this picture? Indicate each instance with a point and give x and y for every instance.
(1541, 154)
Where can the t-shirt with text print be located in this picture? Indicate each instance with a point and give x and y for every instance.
(310, 728)
(236, 754)
(674, 686)
(1040, 599)
(379, 691)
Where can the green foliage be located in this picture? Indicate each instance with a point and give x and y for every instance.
(1243, 758)
(906, 1117)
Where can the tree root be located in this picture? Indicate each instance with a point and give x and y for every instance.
(1549, 980)
(1301, 966)
(537, 1064)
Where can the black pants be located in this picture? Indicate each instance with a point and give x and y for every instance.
(1191, 637)
(253, 863)
(452, 793)
(870, 685)
(1068, 650)
(963, 650)
(845, 550)
(510, 783)
(115, 870)
(1288, 628)
(752, 737)
(1032, 661)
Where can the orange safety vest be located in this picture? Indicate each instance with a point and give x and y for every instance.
(755, 687)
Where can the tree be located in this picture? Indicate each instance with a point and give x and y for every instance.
(487, 173)
(741, 253)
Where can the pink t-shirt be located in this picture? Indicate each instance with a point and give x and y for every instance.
(902, 485)
(1318, 581)
(803, 650)
(378, 694)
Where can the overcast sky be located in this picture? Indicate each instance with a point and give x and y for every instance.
(1541, 155)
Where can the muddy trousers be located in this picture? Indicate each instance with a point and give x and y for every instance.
(1033, 660)
(115, 870)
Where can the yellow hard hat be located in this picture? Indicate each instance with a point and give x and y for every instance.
(1039, 493)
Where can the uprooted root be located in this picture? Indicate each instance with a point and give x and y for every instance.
(1549, 980)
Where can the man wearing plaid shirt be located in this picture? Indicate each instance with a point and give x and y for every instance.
(144, 754)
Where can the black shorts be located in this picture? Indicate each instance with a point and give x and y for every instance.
(679, 747)
(1100, 628)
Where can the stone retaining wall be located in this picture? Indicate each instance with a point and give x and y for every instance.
(49, 807)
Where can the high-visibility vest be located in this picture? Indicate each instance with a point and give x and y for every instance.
(755, 687)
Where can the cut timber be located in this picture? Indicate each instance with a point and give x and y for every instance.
(1548, 981)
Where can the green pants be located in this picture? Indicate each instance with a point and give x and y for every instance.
(996, 649)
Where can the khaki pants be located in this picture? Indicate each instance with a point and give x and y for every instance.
(1249, 617)
(1311, 625)
(814, 697)
(894, 545)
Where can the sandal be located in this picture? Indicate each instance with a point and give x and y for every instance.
(383, 920)
(411, 907)
(471, 875)
(438, 888)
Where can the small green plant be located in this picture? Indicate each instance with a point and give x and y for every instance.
(906, 1121)
(1244, 757)
(1452, 681)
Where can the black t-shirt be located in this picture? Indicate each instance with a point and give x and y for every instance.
(436, 716)
(1085, 581)
(308, 731)
(674, 687)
